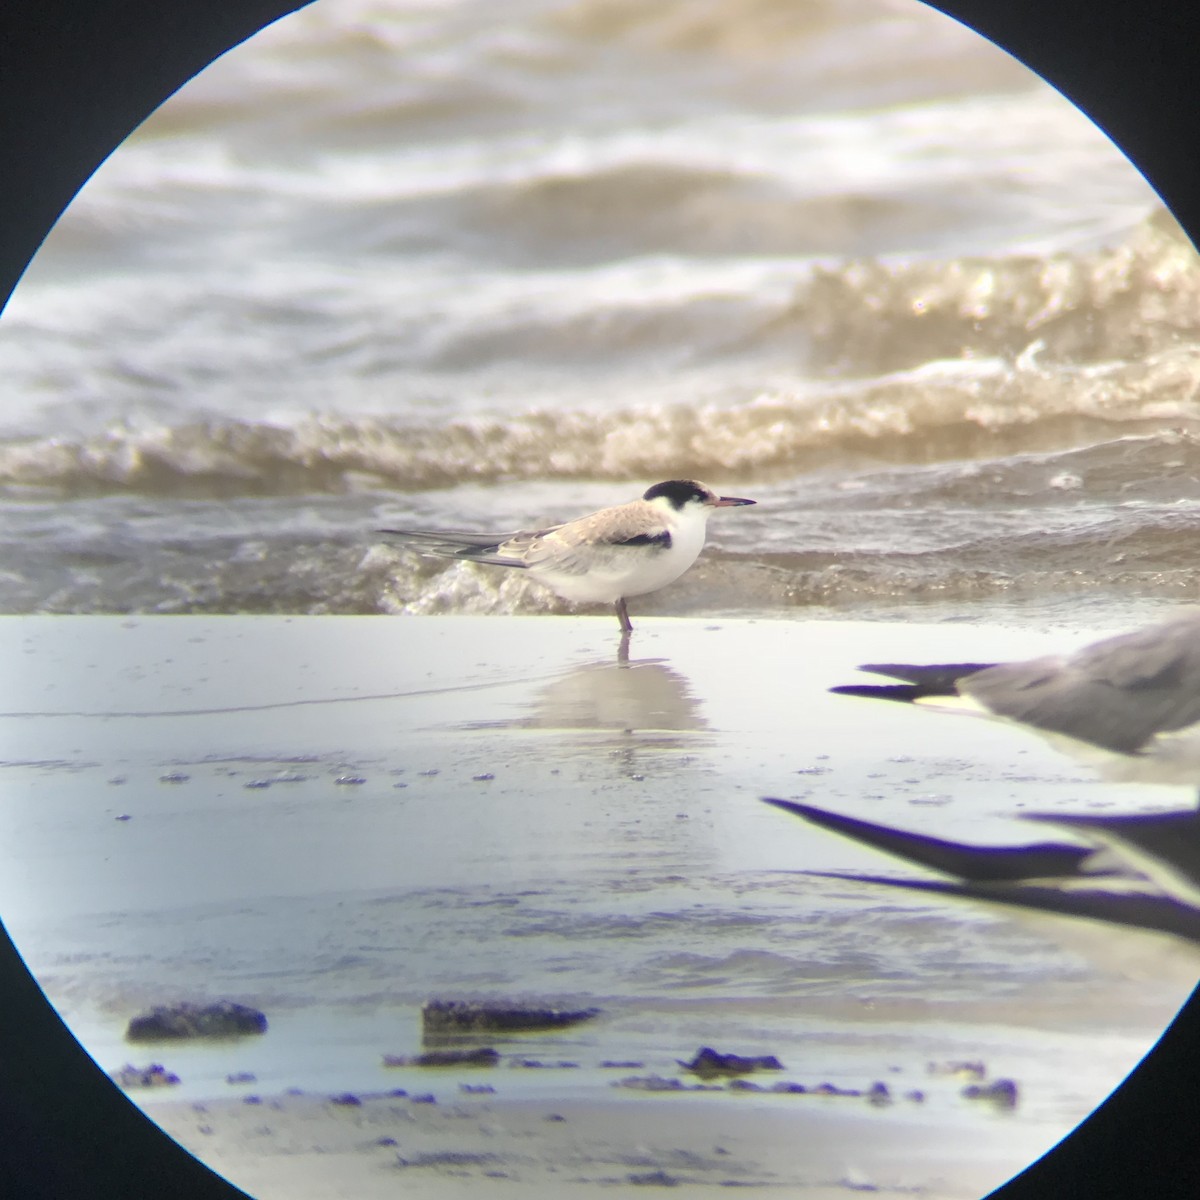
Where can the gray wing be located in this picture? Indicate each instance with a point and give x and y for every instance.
(973, 864)
(1164, 846)
(571, 548)
(1116, 694)
(1136, 910)
(454, 543)
(920, 682)
(575, 547)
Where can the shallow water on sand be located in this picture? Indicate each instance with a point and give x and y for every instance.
(401, 263)
(335, 820)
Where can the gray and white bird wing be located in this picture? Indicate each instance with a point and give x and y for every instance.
(973, 864)
(573, 548)
(1163, 846)
(455, 543)
(1117, 694)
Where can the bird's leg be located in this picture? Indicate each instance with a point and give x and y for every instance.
(623, 616)
(623, 650)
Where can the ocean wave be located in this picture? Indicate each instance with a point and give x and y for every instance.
(771, 33)
(953, 410)
(1121, 303)
(733, 26)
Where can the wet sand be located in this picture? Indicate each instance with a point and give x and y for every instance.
(185, 796)
(308, 1148)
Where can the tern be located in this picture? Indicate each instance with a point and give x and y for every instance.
(604, 557)
(1136, 696)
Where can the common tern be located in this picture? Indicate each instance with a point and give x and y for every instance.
(1136, 696)
(604, 557)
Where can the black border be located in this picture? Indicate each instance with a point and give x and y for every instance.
(76, 76)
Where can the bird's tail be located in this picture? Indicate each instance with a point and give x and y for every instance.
(975, 864)
(940, 679)
(453, 543)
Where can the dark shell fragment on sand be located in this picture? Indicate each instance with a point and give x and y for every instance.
(485, 1056)
(959, 1068)
(744, 1085)
(660, 1083)
(1002, 1092)
(174, 1021)
(659, 1178)
(708, 1063)
(155, 1075)
(471, 1016)
(832, 1089)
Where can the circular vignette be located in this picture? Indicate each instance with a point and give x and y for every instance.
(77, 79)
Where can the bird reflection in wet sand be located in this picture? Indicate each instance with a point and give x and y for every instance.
(1139, 870)
(602, 558)
(637, 710)
(1133, 701)
(642, 695)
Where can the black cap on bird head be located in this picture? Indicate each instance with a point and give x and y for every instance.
(678, 492)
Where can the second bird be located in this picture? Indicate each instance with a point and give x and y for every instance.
(602, 558)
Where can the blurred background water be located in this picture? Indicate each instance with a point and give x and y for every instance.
(424, 262)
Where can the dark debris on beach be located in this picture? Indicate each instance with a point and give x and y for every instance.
(449, 1017)
(709, 1063)
(155, 1075)
(171, 1022)
(484, 1056)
